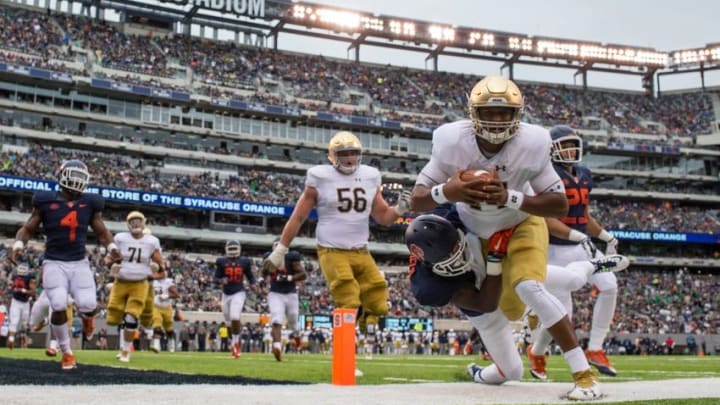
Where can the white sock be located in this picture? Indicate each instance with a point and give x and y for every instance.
(53, 344)
(62, 334)
(576, 360)
(541, 340)
(602, 316)
(491, 375)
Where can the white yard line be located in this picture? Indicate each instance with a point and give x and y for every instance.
(416, 394)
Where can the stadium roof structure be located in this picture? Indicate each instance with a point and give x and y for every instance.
(266, 19)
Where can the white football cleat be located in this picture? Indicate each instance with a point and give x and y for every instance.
(612, 263)
(587, 387)
(124, 357)
(358, 373)
(474, 371)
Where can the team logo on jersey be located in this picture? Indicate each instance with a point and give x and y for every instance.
(417, 251)
(82, 205)
(501, 168)
(70, 204)
(54, 206)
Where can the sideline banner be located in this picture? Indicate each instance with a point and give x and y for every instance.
(152, 198)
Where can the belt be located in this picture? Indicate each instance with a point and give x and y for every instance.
(362, 249)
(131, 281)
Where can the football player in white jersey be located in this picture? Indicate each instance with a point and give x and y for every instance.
(523, 189)
(130, 289)
(346, 194)
(165, 292)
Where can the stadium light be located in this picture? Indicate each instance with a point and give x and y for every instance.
(695, 56)
(484, 39)
(439, 33)
(343, 20)
(402, 28)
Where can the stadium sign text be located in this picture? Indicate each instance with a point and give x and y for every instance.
(250, 8)
(150, 198)
(671, 237)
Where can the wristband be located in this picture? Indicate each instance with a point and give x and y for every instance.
(111, 246)
(494, 268)
(289, 277)
(515, 199)
(605, 236)
(18, 245)
(438, 195)
(576, 236)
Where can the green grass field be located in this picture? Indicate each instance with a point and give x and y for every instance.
(389, 369)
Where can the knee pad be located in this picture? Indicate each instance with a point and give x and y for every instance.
(548, 308)
(130, 321)
(58, 318)
(345, 293)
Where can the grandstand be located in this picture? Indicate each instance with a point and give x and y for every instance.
(211, 139)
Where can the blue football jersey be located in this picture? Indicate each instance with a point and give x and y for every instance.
(577, 191)
(65, 223)
(234, 269)
(284, 287)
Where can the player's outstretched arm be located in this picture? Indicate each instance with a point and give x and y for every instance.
(25, 232)
(308, 200)
(104, 236)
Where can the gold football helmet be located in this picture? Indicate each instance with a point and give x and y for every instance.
(495, 92)
(345, 141)
(136, 227)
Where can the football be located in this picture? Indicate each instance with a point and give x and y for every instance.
(474, 174)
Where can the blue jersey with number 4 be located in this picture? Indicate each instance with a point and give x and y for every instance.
(65, 223)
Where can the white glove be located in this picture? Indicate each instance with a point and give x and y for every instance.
(403, 202)
(611, 247)
(164, 297)
(584, 241)
(589, 247)
(278, 255)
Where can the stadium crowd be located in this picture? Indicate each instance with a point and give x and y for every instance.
(651, 301)
(317, 82)
(284, 189)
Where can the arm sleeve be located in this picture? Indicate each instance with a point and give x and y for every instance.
(547, 181)
(312, 179)
(219, 271)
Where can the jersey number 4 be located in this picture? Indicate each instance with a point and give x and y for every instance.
(351, 199)
(70, 221)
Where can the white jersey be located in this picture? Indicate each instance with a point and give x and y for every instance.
(523, 164)
(162, 287)
(136, 255)
(344, 205)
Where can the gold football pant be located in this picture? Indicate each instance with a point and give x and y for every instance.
(126, 297)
